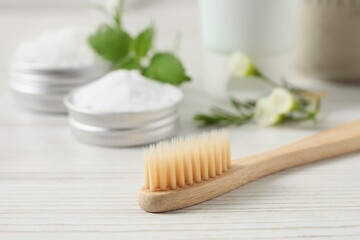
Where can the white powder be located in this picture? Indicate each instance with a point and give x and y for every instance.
(66, 47)
(124, 91)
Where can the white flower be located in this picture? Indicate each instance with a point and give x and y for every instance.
(271, 109)
(240, 65)
(265, 114)
(282, 100)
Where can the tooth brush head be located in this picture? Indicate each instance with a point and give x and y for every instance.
(186, 161)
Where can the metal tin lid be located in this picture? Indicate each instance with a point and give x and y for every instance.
(49, 103)
(52, 79)
(34, 68)
(42, 88)
(123, 138)
(121, 129)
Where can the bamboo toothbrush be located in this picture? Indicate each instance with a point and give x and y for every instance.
(188, 171)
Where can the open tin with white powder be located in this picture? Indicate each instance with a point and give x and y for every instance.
(128, 127)
(44, 69)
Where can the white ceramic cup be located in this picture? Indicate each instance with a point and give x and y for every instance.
(252, 26)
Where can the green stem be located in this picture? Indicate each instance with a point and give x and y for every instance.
(309, 115)
(270, 82)
(118, 14)
(265, 79)
(316, 108)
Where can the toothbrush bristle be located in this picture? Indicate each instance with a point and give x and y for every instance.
(185, 161)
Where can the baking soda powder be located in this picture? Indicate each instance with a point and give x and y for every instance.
(66, 47)
(125, 91)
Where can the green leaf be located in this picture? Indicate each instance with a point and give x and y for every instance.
(128, 63)
(165, 67)
(143, 42)
(111, 44)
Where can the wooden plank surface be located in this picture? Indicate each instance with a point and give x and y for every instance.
(53, 187)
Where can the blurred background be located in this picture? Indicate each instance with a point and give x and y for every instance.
(305, 42)
(22, 20)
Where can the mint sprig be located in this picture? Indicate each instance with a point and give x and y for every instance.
(165, 67)
(116, 45)
(143, 42)
(110, 43)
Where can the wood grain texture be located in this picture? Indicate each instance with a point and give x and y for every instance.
(53, 187)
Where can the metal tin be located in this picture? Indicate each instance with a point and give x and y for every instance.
(34, 68)
(116, 120)
(41, 102)
(46, 78)
(35, 87)
(122, 129)
(42, 88)
(124, 138)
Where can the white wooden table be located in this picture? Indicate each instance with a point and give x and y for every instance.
(53, 187)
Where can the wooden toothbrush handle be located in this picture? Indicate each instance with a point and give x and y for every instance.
(330, 143)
